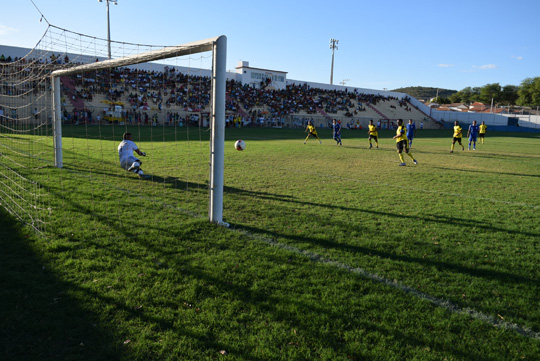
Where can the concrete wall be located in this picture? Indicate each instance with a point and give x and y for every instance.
(528, 121)
(348, 88)
(466, 118)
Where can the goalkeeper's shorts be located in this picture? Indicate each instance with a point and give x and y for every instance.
(126, 164)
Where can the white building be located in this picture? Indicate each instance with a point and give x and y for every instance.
(257, 76)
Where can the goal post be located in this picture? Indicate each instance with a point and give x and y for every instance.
(218, 47)
(217, 146)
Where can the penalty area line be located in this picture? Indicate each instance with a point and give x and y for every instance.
(449, 306)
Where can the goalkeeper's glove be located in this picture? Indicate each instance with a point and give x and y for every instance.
(143, 154)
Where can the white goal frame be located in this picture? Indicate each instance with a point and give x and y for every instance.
(218, 46)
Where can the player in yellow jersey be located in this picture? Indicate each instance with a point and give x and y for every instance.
(310, 129)
(373, 134)
(402, 143)
(457, 136)
(482, 132)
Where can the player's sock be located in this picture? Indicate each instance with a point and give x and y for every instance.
(401, 157)
(469, 145)
(410, 155)
(452, 148)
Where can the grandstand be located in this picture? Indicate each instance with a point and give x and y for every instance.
(158, 93)
(161, 93)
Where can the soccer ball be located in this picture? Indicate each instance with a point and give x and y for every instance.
(240, 144)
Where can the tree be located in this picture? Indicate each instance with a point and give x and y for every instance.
(466, 95)
(489, 93)
(441, 100)
(529, 92)
(455, 98)
(502, 95)
(509, 95)
(475, 94)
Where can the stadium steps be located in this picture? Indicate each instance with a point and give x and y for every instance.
(239, 107)
(322, 112)
(394, 110)
(377, 111)
(71, 93)
(439, 123)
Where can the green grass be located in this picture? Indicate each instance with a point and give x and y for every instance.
(331, 253)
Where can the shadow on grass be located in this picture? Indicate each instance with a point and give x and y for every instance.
(297, 314)
(488, 172)
(264, 300)
(460, 222)
(295, 311)
(39, 317)
(70, 325)
(400, 218)
(474, 272)
(180, 184)
(177, 183)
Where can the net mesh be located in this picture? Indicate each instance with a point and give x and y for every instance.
(165, 106)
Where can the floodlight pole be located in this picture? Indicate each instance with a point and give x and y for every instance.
(333, 46)
(115, 2)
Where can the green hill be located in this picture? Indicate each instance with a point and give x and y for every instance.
(420, 92)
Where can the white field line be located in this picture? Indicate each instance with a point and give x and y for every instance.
(452, 194)
(449, 306)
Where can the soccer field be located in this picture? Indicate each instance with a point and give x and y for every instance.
(333, 252)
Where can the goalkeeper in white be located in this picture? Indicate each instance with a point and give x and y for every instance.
(125, 152)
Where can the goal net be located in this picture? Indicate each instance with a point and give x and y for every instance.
(64, 108)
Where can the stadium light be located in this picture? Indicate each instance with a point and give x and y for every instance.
(333, 46)
(115, 2)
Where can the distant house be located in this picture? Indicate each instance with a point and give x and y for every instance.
(477, 107)
(454, 107)
(457, 107)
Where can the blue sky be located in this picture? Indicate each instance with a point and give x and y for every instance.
(382, 44)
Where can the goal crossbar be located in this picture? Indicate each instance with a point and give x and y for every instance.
(218, 46)
(199, 46)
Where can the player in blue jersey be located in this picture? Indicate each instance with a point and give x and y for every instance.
(472, 133)
(411, 132)
(337, 131)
